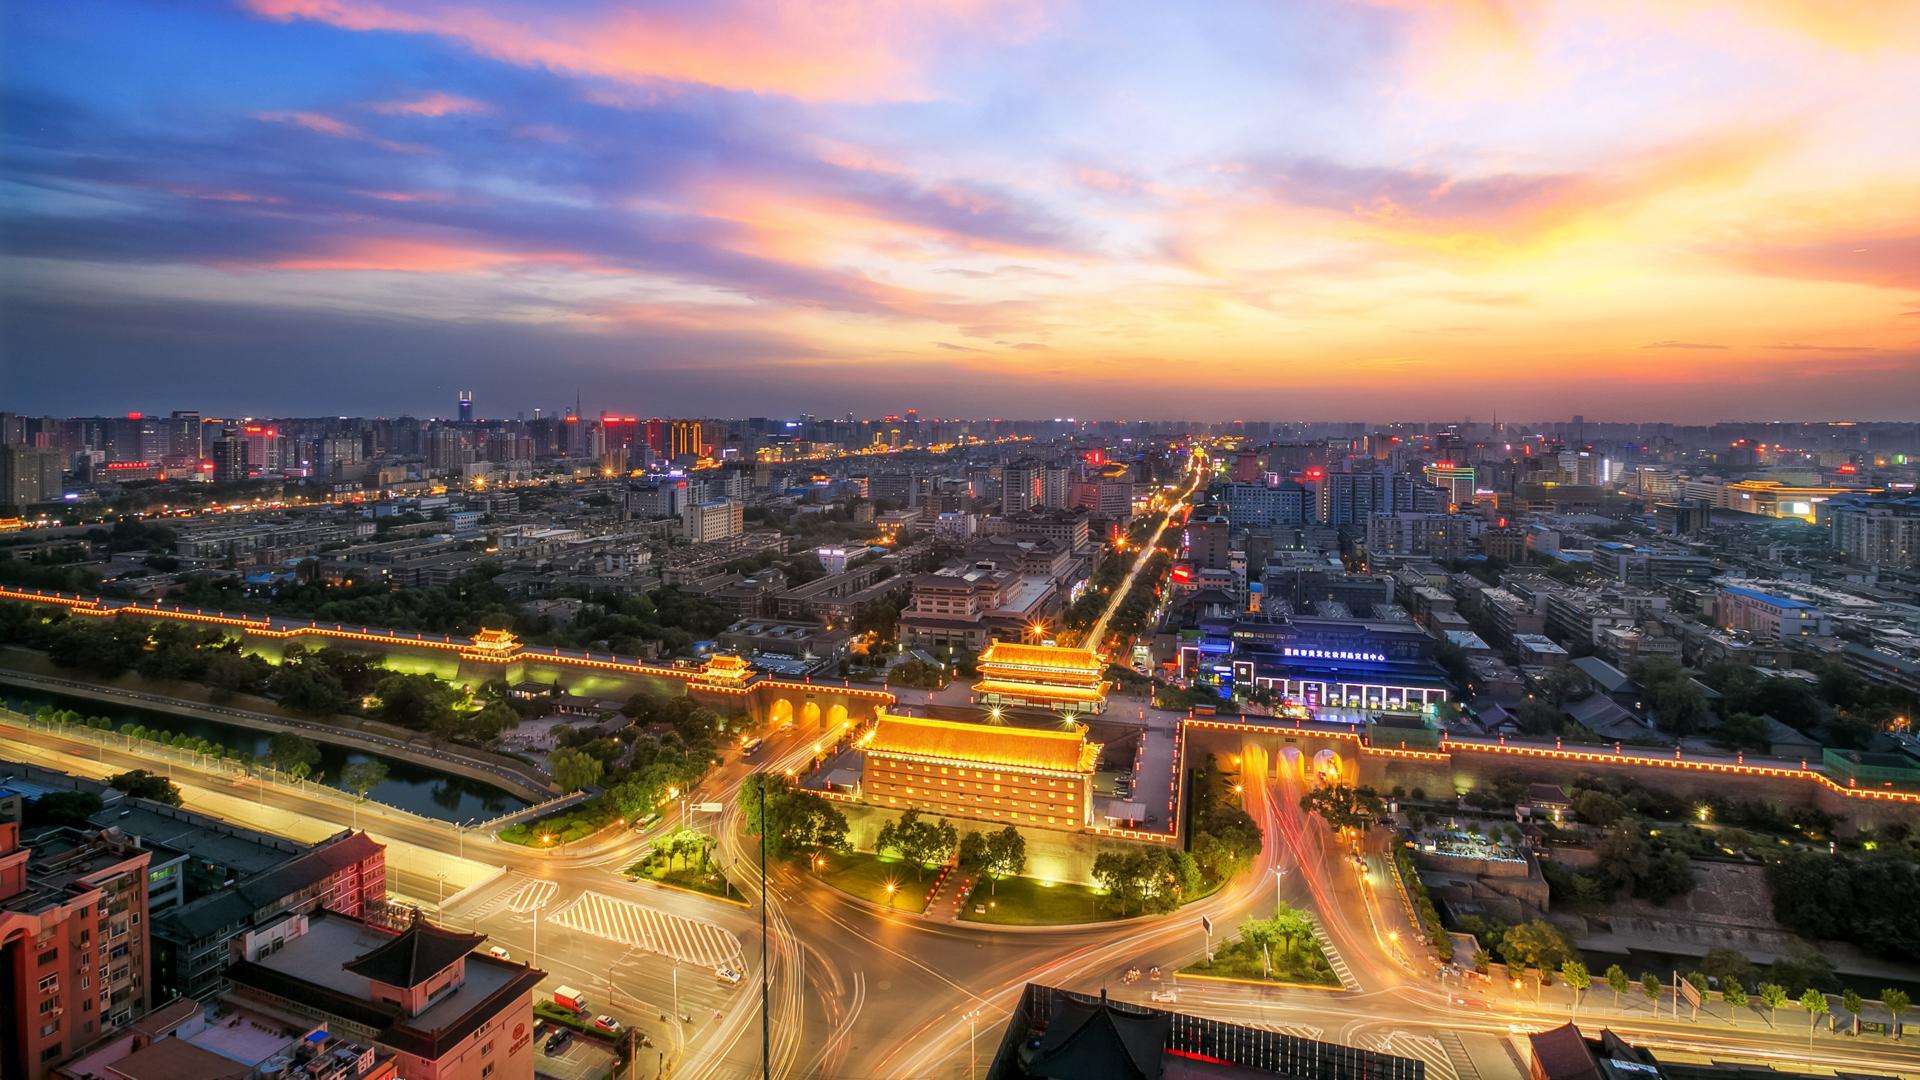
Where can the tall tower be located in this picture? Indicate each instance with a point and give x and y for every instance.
(466, 406)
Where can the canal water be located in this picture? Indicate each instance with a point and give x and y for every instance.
(422, 790)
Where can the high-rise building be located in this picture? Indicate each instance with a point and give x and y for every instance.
(1455, 480)
(73, 920)
(184, 446)
(1209, 543)
(444, 449)
(709, 521)
(1022, 486)
(465, 403)
(1873, 530)
(686, 438)
(229, 456)
(1259, 504)
(29, 476)
(263, 448)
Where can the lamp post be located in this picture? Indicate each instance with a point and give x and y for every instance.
(1279, 872)
(973, 1066)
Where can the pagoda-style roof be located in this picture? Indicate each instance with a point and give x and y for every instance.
(495, 641)
(727, 670)
(1054, 661)
(1046, 691)
(970, 744)
(419, 953)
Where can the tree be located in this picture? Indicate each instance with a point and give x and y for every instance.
(1651, 985)
(973, 850)
(1815, 1002)
(1735, 995)
(287, 750)
(363, 776)
(929, 843)
(1851, 1001)
(1343, 807)
(1006, 855)
(1697, 980)
(1772, 995)
(142, 784)
(1896, 1002)
(1535, 944)
(1617, 982)
(1597, 807)
(574, 770)
(1578, 978)
(62, 808)
(420, 702)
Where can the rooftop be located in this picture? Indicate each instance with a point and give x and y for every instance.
(1064, 750)
(418, 954)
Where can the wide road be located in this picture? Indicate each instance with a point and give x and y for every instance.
(1096, 634)
(855, 991)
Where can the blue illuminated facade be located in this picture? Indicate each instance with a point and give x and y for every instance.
(1350, 662)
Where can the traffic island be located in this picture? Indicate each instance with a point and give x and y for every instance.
(1025, 901)
(884, 882)
(1280, 951)
(660, 869)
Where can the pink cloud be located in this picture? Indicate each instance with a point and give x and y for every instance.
(437, 103)
(856, 50)
(321, 123)
(427, 257)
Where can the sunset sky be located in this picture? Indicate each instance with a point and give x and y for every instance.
(1377, 210)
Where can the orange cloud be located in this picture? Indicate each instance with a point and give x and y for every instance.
(856, 50)
(437, 103)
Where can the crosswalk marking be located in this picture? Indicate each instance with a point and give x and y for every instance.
(1334, 960)
(1440, 1063)
(534, 894)
(517, 893)
(686, 940)
(1298, 1031)
(1463, 1066)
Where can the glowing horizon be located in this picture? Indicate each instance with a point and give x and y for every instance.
(1382, 209)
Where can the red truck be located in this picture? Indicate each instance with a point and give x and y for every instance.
(570, 999)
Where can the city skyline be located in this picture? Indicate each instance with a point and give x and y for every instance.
(326, 206)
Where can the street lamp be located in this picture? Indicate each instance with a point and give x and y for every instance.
(890, 890)
(973, 1067)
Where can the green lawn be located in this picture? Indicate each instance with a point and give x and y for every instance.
(710, 881)
(867, 876)
(1237, 960)
(574, 823)
(1025, 901)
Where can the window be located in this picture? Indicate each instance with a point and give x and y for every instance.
(50, 1052)
(49, 1028)
(487, 1071)
(48, 957)
(49, 984)
(485, 1049)
(49, 1005)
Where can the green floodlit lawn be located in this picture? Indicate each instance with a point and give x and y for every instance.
(866, 876)
(1236, 960)
(712, 881)
(1025, 901)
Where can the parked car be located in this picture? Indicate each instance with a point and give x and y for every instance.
(607, 1024)
(498, 953)
(558, 1041)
